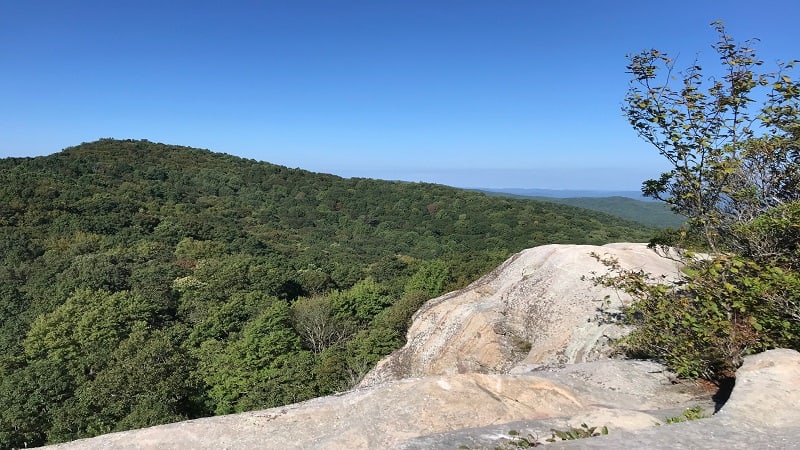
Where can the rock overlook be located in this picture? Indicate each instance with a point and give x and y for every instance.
(518, 349)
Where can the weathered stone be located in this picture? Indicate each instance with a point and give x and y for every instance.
(767, 390)
(536, 308)
(387, 415)
(625, 384)
(761, 413)
(362, 419)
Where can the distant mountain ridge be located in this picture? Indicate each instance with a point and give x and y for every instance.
(629, 205)
(566, 193)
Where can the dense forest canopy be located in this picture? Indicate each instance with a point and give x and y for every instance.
(143, 283)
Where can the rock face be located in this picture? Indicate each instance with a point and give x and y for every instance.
(767, 385)
(536, 308)
(385, 416)
(760, 414)
(515, 350)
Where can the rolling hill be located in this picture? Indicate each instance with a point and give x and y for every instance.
(651, 213)
(628, 205)
(144, 283)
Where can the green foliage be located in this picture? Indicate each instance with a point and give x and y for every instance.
(656, 214)
(251, 366)
(584, 431)
(31, 395)
(430, 279)
(774, 236)
(188, 283)
(361, 302)
(725, 308)
(723, 174)
(81, 334)
(739, 191)
(519, 441)
(146, 382)
(693, 413)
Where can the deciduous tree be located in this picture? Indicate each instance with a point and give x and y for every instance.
(731, 139)
(733, 144)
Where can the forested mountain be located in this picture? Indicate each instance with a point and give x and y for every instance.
(652, 213)
(622, 204)
(142, 283)
(566, 193)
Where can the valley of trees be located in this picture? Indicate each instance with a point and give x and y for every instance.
(144, 283)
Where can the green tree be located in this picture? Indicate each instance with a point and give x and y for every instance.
(146, 382)
(241, 368)
(30, 395)
(430, 279)
(83, 332)
(361, 303)
(732, 142)
(732, 158)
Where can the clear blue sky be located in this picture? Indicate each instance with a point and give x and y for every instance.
(500, 93)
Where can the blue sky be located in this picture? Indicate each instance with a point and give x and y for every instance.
(467, 93)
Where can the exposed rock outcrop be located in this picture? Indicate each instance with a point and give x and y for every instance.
(760, 415)
(536, 308)
(767, 386)
(467, 377)
(387, 415)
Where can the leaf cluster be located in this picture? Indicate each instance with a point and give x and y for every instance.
(723, 309)
(582, 432)
(731, 137)
(693, 413)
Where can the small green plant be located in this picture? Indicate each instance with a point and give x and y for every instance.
(523, 441)
(584, 431)
(693, 413)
